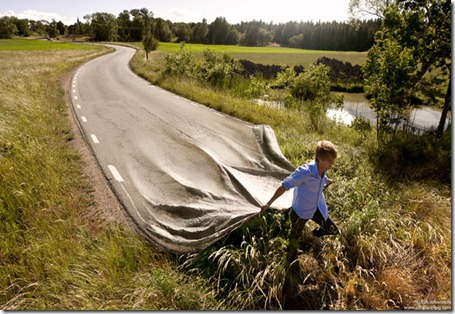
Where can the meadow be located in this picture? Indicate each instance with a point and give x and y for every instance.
(24, 44)
(268, 55)
(394, 252)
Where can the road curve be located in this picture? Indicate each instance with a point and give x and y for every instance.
(186, 174)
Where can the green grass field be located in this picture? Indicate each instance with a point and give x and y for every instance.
(40, 44)
(269, 55)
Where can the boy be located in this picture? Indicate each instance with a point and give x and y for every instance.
(308, 201)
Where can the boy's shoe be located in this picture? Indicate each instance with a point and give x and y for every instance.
(319, 232)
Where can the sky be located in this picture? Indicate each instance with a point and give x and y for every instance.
(235, 11)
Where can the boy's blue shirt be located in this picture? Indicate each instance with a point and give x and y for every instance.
(308, 195)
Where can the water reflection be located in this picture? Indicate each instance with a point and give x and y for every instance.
(420, 119)
(357, 105)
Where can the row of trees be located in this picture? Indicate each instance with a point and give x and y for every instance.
(12, 26)
(130, 26)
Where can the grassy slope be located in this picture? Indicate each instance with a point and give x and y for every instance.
(396, 248)
(51, 258)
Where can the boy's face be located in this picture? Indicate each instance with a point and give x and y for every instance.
(327, 163)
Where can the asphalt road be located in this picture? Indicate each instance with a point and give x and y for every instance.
(186, 174)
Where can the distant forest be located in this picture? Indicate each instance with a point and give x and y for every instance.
(129, 26)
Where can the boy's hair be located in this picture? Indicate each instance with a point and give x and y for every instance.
(325, 149)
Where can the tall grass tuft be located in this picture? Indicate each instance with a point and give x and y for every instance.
(248, 268)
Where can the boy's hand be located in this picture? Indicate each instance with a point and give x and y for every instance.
(327, 184)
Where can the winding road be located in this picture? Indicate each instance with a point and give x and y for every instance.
(186, 174)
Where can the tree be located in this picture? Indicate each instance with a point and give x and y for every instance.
(137, 25)
(148, 40)
(23, 27)
(389, 85)
(103, 26)
(412, 29)
(218, 31)
(52, 30)
(430, 29)
(312, 88)
(7, 27)
(256, 35)
(163, 32)
(233, 37)
(124, 25)
(200, 31)
(182, 31)
(359, 9)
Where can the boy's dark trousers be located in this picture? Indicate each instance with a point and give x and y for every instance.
(327, 227)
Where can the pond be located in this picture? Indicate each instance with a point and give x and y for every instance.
(420, 119)
(354, 105)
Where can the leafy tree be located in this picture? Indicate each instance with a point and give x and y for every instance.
(23, 27)
(218, 31)
(429, 32)
(312, 87)
(149, 41)
(233, 37)
(163, 31)
(296, 41)
(103, 26)
(137, 26)
(182, 32)
(290, 29)
(7, 27)
(388, 83)
(52, 30)
(199, 33)
(411, 53)
(359, 9)
(124, 25)
(256, 35)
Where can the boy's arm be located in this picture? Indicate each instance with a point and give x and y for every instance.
(279, 191)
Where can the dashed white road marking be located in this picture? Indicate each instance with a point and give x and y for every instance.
(94, 138)
(78, 106)
(75, 97)
(115, 173)
(84, 119)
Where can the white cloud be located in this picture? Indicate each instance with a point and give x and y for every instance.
(183, 15)
(39, 15)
